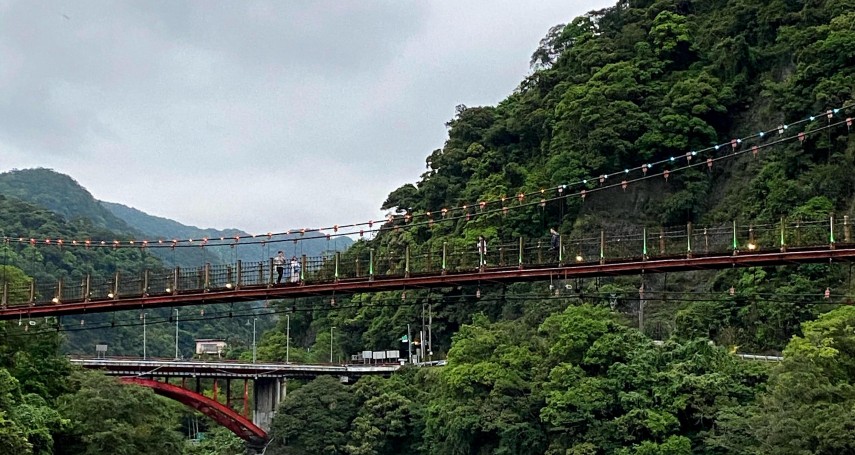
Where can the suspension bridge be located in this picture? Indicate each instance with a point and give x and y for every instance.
(621, 250)
(625, 251)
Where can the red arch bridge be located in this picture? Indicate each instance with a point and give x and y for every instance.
(267, 381)
(624, 251)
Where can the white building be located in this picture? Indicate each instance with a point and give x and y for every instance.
(210, 346)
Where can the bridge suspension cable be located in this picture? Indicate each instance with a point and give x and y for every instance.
(448, 214)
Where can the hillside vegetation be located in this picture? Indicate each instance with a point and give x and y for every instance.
(640, 82)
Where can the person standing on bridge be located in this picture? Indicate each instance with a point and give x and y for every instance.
(553, 241)
(279, 263)
(295, 270)
(482, 251)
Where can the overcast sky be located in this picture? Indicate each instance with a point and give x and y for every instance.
(262, 116)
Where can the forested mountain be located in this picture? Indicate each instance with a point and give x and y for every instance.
(642, 82)
(647, 81)
(71, 264)
(61, 194)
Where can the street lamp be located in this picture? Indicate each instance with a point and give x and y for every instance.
(331, 342)
(176, 334)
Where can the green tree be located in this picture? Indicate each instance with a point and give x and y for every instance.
(108, 417)
(217, 441)
(13, 439)
(314, 419)
(808, 406)
(486, 393)
(383, 425)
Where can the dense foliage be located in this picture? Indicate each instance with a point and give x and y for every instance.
(642, 81)
(533, 369)
(580, 382)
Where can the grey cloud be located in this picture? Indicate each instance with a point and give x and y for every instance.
(329, 36)
(261, 115)
(178, 51)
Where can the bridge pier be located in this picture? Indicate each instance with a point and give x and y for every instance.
(267, 394)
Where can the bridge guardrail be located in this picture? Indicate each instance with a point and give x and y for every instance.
(457, 256)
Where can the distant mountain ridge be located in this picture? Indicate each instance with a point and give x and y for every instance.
(157, 226)
(61, 194)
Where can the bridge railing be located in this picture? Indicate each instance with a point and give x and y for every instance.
(622, 243)
(160, 281)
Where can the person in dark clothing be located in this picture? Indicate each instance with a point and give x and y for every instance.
(554, 240)
(279, 263)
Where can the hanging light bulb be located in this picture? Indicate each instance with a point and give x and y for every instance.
(478, 293)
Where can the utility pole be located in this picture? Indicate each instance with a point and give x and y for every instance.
(176, 334)
(253, 340)
(641, 304)
(288, 339)
(331, 342)
(409, 344)
(430, 334)
(143, 335)
(422, 334)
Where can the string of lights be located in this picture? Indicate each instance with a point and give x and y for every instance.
(733, 148)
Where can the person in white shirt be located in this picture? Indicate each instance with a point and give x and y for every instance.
(295, 270)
